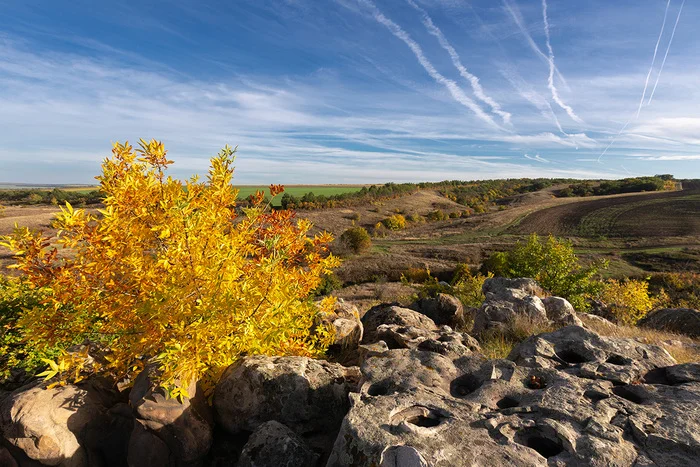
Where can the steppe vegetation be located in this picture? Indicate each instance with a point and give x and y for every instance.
(445, 237)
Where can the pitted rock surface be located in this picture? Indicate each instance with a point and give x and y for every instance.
(615, 402)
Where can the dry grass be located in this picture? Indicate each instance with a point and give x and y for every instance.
(682, 348)
(499, 342)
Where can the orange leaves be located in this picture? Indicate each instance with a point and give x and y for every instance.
(276, 190)
(171, 273)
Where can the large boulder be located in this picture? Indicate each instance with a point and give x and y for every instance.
(304, 394)
(274, 445)
(180, 431)
(678, 320)
(51, 425)
(561, 312)
(383, 314)
(443, 309)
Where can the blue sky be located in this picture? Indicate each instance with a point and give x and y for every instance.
(348, 91)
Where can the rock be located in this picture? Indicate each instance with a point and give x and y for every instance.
(444, 341)
(561, 312)
(497, 313)
(274, 445)
(184, 427)
(49, 425)
(583, 353)
(402, 456)
(678, 320)
(304, 394)
(345, 319)
(570, 397)
(598, 320)
(443, 309)
(507, 288)
(382, 314)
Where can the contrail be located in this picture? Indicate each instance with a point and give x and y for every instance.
(613, 140)
(456, 61)
(519, 22)
(673, 33)
(529, 94)
(645, 84)
(550, 79)
(656, 48)
(455, 91)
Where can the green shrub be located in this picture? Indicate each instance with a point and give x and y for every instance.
(454, 215)
(681, 289)
(16, 295)
(395, 222)
(553, 264)
(436, 215)
(329, 283)
(356, 239)
(416, 218)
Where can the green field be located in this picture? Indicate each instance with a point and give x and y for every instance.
(299, 191)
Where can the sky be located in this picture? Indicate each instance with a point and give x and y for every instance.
(353, 91)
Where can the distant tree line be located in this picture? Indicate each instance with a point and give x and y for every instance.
(55, 196)
(626, 185)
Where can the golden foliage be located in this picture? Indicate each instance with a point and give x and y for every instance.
(629, 301)
(174, 274)
(395, 222)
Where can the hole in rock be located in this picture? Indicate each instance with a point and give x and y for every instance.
(657, 376)
(569, 356)
(420, 420)
(507, 403)
(626, 393)
(465, 384)
(535, 439)
(420, 416)
(378, 389)
(616, 360)
(595, 396)
(544, 446)
(535, 382)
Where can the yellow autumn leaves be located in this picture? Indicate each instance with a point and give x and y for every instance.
(175, 274)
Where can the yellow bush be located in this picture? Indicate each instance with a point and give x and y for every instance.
(628, 301)
(172, 274)
(415, 275)
(395, 222)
